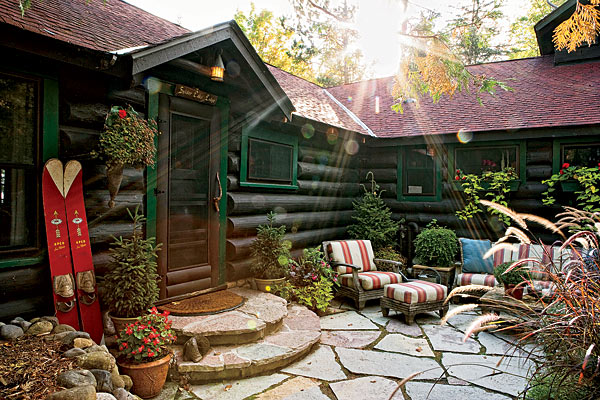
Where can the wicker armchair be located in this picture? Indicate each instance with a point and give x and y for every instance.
(362, 277)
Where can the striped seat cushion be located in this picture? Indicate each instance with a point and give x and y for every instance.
(416, 292)
(476, 279)
(551, 257)
(355, 252)
(540, 286)
(371, 280)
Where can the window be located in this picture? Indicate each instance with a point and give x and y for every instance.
(269, 159)
(581, 154)
(19, 165)
(477, 160)
(419, 174)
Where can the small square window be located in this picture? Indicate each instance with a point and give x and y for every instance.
(269, 158)
(419, 175)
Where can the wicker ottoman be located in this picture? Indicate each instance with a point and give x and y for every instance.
(411, 298)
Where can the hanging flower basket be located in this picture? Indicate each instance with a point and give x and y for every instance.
(126, 141)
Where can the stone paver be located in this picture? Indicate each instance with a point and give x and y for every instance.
(429, 391)
(236, 390)
(368, 387)
(353, 339)
(397, 326)
(494, 345)
(290, 387)
(377, 317)
(401, 344)
(478, 370)
(462, 321)
(319, 364)
(387, 364)
(446, 338)
(350, 321)
(313, 393)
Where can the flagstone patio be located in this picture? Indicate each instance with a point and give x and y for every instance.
(363, 355)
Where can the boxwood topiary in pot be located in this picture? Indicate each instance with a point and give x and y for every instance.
(511, 279)
(131, 286)
(271, 253)
(436, 246)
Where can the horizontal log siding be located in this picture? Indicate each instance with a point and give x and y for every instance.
(320, 209)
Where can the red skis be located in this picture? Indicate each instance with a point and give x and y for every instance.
(69, 251)
(83, 267)
(59, 256)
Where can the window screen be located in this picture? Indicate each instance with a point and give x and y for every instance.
(418, 172)
(477, 160)
(269, 161)
(18, 161)
(581, 155)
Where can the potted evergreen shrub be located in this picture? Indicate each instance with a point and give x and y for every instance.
(131, 286)
(127, 140)
(511, 280)
(271, 255)
(436, 246)
(144, 354)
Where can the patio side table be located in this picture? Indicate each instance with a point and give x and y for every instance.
(446, 273)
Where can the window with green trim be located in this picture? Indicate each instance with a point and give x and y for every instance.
(19, 162)
(580, 154)
(477, 160)
(269, 158)
(419, 176)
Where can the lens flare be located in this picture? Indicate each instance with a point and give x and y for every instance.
(464, 136)
(332, 135)
(307, 130)
(351, 147)
(252, 323)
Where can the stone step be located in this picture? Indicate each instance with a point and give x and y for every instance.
(260, 315)
(300, 330)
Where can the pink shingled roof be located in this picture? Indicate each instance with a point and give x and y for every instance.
(544, 96)
(312, 102)
(99, 25)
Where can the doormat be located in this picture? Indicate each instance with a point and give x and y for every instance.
(204, 304)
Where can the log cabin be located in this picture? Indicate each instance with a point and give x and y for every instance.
(254, 140)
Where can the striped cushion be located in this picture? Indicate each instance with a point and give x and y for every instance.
(503, 256)
(416, 292)
(371, 280)
(550, 256)
(540, 286)
(476, 279)
(355, 252)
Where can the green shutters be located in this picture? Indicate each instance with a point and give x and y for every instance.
(269, 159)
(419, 174)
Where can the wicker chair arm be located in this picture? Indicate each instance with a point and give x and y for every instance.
(438, 277)
(338, 264)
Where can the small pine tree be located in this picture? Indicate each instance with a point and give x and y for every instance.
(373, 219)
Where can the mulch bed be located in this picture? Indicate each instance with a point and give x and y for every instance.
(210, 303)
(29, 367)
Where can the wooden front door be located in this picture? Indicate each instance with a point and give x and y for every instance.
(187, 220)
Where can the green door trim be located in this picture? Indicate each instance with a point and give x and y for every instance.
(154, 87)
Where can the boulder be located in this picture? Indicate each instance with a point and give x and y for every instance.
(95, 347)
(60, 328)
(117, 381)
(40, 327)
(103, 380)
(96, 360)
(51, 319)
(74, 352)
(122, 394)
(105, 396)
(82, 343)
(77, 393)
(76, 377)
(10, 332)
(68, 337)
(128, 381)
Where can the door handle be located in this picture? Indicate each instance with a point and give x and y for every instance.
(218, 198)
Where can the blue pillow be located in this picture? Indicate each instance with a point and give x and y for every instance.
(472, 252)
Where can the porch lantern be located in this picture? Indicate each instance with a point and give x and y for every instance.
(217, 71)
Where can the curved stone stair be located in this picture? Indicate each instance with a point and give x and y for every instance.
(263, 335)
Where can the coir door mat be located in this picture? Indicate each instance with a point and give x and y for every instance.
(205, 304)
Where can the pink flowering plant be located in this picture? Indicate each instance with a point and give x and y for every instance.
(310, 281)
(147, 338)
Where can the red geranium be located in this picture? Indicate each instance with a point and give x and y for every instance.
(122, 114)
(147, 338)
(566, 165)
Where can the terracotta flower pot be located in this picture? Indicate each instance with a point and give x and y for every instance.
(515, 292)
(148, 378)
(121, 323)
(114, 176)
(266, 285)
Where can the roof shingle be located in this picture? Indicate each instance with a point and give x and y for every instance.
(98, 25)
(544, 96)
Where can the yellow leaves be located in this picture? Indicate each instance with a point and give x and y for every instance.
(582, 27)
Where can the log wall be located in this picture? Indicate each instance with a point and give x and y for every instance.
(320, 209)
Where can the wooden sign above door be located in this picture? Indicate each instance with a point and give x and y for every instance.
(195, 94)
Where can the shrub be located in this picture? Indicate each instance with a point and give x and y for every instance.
(317, 296)
(271, 252)
(588, 178)
(373, 219)
(131, 286)
(436, 246)
(512, 277)
(310, 268)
